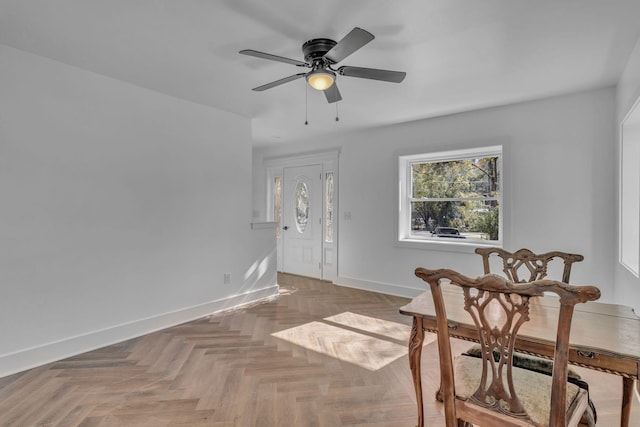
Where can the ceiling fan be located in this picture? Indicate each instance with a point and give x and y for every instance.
(321, 55)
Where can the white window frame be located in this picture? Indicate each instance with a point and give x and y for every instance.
(629, 192)
(405, 238)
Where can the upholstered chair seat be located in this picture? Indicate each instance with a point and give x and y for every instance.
(533, 389)
(545, 366)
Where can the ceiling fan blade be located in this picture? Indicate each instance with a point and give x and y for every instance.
(333, 94)
(279, 82)
(349, 44)
(373, 74)
(271, 57)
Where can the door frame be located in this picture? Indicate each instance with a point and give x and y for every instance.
(274, 166)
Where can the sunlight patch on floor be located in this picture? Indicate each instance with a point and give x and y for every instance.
(372, 325)
(368, 342)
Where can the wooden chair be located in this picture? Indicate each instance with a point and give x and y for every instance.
(522, 266)
(490, 391)
(526, 262)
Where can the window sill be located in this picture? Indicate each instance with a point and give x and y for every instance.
(442, 246)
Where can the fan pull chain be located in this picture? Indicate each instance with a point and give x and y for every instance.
(306, 105)
(337, 118)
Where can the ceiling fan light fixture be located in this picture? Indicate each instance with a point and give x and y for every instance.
(321, 79)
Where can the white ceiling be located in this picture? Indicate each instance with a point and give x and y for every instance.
(458, 54)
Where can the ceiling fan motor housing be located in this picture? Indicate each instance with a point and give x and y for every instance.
(315, 49)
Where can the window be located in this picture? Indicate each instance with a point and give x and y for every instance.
(302, 201)
(277, 203)
(629, 225)
(328, 207)
(451, 197)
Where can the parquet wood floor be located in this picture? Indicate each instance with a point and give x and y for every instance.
(317, 355)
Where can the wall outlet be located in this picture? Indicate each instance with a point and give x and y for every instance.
(227, 278)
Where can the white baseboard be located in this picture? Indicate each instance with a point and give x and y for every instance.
(15, 362)
(381, 287)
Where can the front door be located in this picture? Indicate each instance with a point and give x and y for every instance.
(302, 220)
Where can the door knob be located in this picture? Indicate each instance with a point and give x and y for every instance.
(286, 227)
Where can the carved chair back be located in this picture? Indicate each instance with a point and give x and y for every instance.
(499, 308)
(530, 265)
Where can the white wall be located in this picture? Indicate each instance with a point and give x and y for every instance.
(122, 209)
(628, 91)
(559, 181)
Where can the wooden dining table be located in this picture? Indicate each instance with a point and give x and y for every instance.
(604, 337)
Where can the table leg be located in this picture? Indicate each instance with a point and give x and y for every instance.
(415, 353)
(627, 399)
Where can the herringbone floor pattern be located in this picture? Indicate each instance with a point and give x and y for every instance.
(318, 355)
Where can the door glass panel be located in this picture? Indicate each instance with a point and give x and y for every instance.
(277, 203)
(302, 206)
(328, 202)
